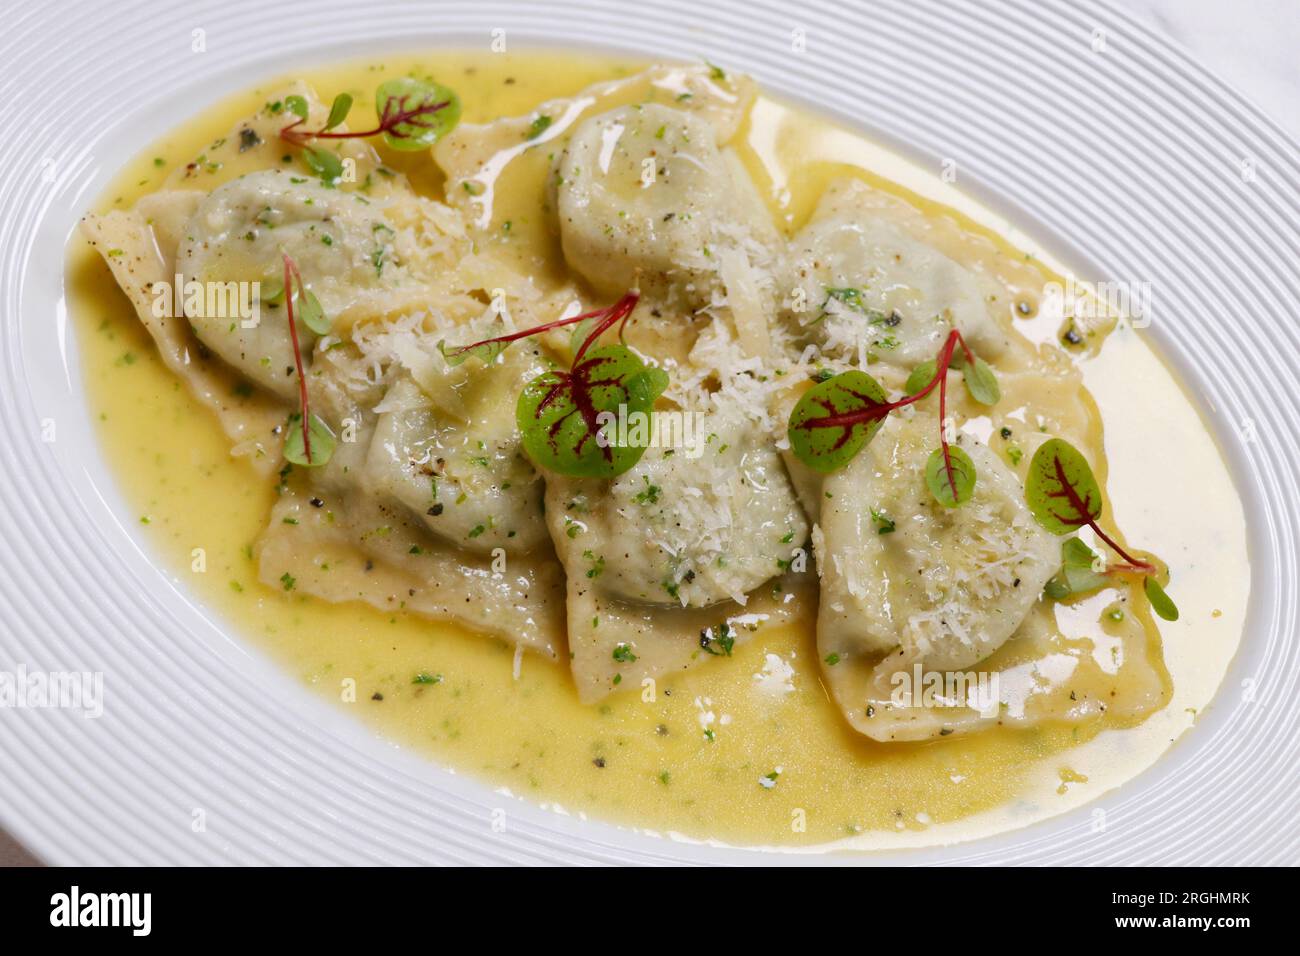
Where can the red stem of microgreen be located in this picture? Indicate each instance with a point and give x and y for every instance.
(291, 275)
(1084, 512)
(609, 317)
(878, 410)
(942, 370)
(395, 114)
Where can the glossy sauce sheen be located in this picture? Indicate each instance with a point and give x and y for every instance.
(649, 765)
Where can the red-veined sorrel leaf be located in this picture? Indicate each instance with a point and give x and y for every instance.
(950, 477)
(1063, 495)
(565, 417)
(834, 419)
(1061, 491)
(415, 114)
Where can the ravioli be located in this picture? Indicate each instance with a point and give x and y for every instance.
(616, 643)
(947, 586)
(645, 199)
(690, 526)
(139, 246)
(468, 477)
(474, 154)
(939, 625)
(238, 234)
(478, 553)
(429, 503)
(863, 288)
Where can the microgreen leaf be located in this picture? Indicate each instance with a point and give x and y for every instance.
(1078, 574)
(271, 292)
(339, 110)
(981, 382)
(309, 441)
(415, 114)
(1161, 603)
(297, 105)
(484, 351)
(921, 376)
(321, 440)
(1061, 491)
(323, 163)
(834, 419)
(308, 308)
(951, 480)
(582, 331)
(1063, 495)
(564, 416)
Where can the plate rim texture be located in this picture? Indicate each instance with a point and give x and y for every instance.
(1125, 162)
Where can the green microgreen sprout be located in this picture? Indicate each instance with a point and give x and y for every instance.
(413, 114)
(562, 414)
(308, 441)
(836, 418)
(1063, 495)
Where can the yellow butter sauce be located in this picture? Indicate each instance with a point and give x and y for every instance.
(651, 765)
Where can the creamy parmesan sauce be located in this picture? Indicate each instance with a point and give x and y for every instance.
(781, 768)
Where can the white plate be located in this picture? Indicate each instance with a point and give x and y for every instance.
(1125, 162)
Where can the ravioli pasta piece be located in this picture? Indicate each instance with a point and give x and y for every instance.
(473, 155)
(455, 526)
(675, 548)
(949, 585)
(1046, 674)
(735, 269)
(956, 594)
(382, 263)
(861, 284)
(690, 526)
(343, 247)
(349, 515)
(616, 644)
(355, 548)
(139, 247)
(469, 478)
(646, 197)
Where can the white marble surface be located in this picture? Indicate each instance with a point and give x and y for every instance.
(1250, 44)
